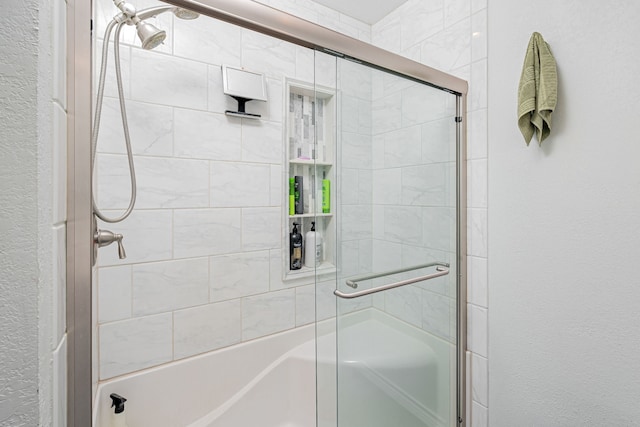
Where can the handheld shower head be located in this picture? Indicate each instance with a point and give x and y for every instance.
(179, 12)
(150, 36)
(183, 13)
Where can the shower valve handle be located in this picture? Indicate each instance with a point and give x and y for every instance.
(106, 237)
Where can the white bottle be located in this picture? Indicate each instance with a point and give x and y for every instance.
(118, 418)
(313, 248)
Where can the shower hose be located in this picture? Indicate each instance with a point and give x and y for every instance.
(118, 22)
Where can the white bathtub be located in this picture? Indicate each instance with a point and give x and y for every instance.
(390, 374)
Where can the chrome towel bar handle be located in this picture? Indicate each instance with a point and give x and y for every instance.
(442, 269)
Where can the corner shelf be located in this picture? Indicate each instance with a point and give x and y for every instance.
(309, 147)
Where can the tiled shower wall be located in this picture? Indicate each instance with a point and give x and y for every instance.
(414, 198)
(451, 36)
(204, 242)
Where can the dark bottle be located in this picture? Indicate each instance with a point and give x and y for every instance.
(295, 248)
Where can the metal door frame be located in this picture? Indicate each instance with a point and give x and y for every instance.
(263, 19)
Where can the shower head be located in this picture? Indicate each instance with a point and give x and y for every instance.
(150, 36)
(183, 13)
(180, 12)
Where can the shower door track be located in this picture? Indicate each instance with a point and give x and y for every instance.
(264, 19)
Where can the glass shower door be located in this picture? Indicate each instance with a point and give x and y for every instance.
(396, 240)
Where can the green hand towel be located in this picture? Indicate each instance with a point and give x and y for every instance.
(538, 90)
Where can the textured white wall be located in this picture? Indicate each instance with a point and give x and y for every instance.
(18, 207)
(32, 165)
(564, 223)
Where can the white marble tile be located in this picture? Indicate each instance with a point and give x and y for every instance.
(450, 48)
(456, 10)
(439, 141)
(240, 184)
(163, 79)
(147, 237)
(60, 384)
(479, 415)
(477, 183)
(264, 54)
(356, 151)
(479, 35)
(387, 113)
(207, 40)
(357, 222)
(349, 258)
(59, 187)
(365, 255)
(365, 188)
(262, 141)
(480, 380)
(477, 285)
(404, 303)
(354, 79)
(268, 313)
(478, 86)
(386, 255)
(150, 128)
(377, 148)
(135, 344)
(403, 147)
(276, 264)
(59, 52)
(477, 329)
(436, 310)
(325, 70)
(238, 275)
(114, 293)
(170, 285)
(477, 232)
(413, 52)
(392, 84)
(204, 135)
(422, 104)
(420, 20)
(477, 135)
(387, 34)
(426, 185)
(111, 88)
(477, 5)
(349, 189)
(206, 328)
(305, 65)
(202, 232)
(415, 255)
(344, 306)
(403, 224)
(273, 108)
(348, 114)
(59, 278)
(325, 300)
(305, 305)
(161, 182)
(387, 186)
(261, 228)
(275, 194)
(365, 117)
(439, 228)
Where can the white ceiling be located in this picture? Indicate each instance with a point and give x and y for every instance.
(369, 11)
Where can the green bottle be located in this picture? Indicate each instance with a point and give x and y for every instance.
(326, 196)
(292, 196)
